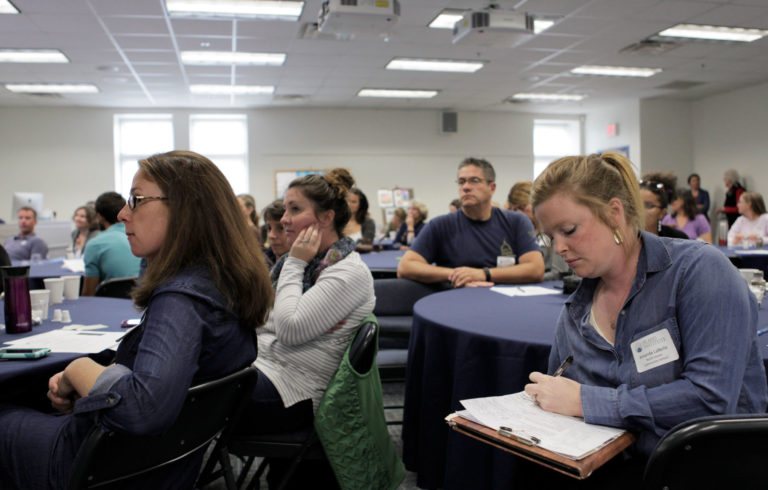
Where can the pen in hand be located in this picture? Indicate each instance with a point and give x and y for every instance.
(561, 370)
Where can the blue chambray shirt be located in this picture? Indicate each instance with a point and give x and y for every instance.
(690, 289)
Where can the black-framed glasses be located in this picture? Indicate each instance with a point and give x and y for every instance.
(133, 201)
(471, 180)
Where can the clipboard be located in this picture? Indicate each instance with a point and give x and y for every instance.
(575, 468)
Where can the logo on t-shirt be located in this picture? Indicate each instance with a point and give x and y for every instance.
(506, 249)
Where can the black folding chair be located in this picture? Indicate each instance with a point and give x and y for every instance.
(107, 457)
(724, 451)
(117, 287)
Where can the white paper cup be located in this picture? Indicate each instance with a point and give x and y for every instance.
(751, 274)
(56, 315)
(71, 287)
(56, 287)
(40, 299)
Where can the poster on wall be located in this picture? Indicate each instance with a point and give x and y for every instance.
(283, 178)
(402, 197)
(385, 198)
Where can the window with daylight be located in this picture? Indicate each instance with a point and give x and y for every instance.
(223, 138)
(552, 139)
(138, 136)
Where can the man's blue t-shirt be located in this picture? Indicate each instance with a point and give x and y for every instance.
(454, 240)
(108, 255)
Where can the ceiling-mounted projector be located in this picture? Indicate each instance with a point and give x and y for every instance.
(358, 17)
(493, 28)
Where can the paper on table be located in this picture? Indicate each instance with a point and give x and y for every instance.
(75, 265)
(758, 251)
(524, 290)
(569, 436)
(83, 342)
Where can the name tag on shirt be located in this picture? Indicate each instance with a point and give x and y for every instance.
(505, 260)
(654, 350)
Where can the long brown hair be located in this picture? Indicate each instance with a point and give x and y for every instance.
(206, 229)
(328, 192)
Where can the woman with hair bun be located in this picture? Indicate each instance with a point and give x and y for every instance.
(323, 291)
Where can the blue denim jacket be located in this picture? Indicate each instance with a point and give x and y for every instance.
(690, 289)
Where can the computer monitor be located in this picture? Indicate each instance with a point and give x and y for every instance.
(33, 200)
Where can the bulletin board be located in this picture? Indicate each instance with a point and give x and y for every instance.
(283, 178)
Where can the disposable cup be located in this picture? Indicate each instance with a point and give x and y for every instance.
(56, 287)
(71, 287)
(40, 299)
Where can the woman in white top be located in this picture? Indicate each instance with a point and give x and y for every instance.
(753, 222)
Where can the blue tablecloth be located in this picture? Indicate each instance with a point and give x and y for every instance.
(747, 258)
(107, 311)
(468, 343)
(384, 260)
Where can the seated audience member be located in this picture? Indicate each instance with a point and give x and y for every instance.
(109, 254)
(454, 206)
(686, 217)
(412, 226)
(701, 195)
(519, 199)
(752, 225)
(657, 189)
(86, 227)
(734, 190)
(205, 291)
(278, 243)
(477, 246)
(398, 218)
(637, 287)
(248, 206)
(360, 228)
(26, 244)
(323, 292)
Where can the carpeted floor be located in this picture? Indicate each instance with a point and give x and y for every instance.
(393, 396)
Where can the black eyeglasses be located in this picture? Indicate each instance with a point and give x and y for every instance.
(471, 180)
(132, 201)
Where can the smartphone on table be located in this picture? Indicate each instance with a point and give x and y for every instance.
(23, 353)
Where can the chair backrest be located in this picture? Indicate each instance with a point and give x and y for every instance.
(117, 287)
(362, 351)
(724, 451)
(397, 296)
(107, 456)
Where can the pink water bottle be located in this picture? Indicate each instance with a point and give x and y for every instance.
(18, 308)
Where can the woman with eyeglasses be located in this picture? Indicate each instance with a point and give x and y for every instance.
(205, 291)
(686, 217)
(656, 190)
(752, 225)
(652, 344)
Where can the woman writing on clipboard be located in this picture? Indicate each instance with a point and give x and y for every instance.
(652, 344)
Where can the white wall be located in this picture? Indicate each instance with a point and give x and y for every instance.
(67, 153)
(626, 114)
(731, 131)
(666, 137)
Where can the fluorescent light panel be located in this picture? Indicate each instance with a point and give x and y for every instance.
(232, 89)
(549, 97)
(7, 7)
(236, 8)
(615, 71)
(231, 58)
(715, 33)
(53, 88)
(32, 56)
(448, 18)
(451, 66)
(396, 93)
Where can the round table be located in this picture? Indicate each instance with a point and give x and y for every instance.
(750, 258)
(383, 264)
(468, 343)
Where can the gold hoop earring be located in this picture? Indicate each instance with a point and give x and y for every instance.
(617, 236)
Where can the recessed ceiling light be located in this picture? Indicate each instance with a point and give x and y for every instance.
(615, 71)
(231, 58)
(232, 89)
(549, 97)
(53, 88)
(448, 18)
(396, 93)
(273, 10)
(32, 56)
(715, 33)
(434, 65)
(7, 7)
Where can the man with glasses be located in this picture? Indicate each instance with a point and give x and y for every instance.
(108, 255)
(478, 245)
